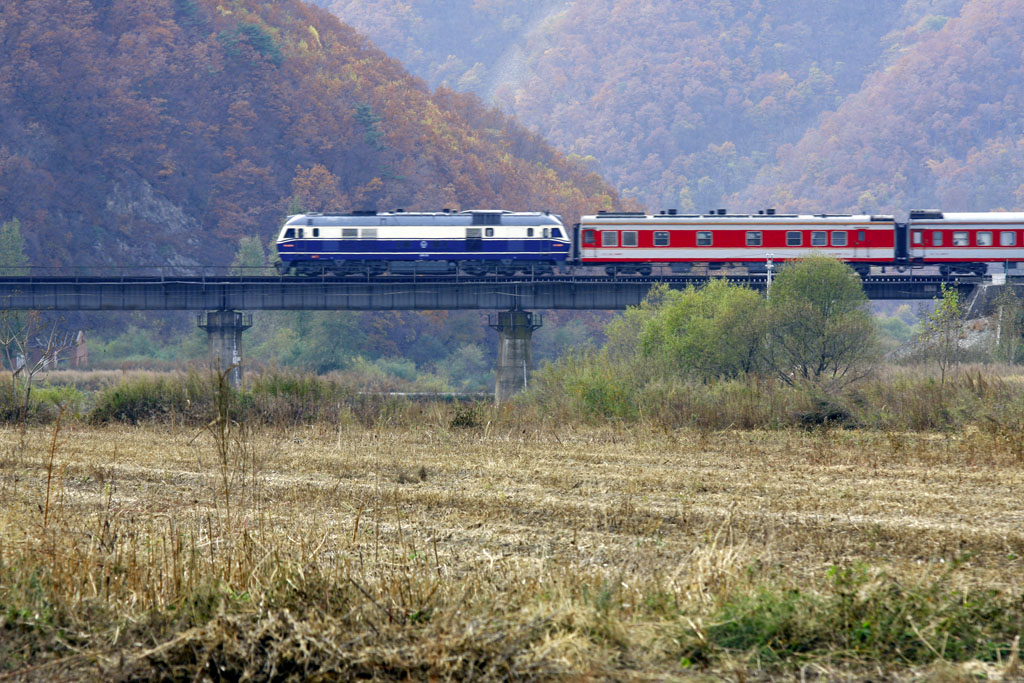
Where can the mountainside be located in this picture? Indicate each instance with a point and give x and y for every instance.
(161, 131)
(869, 104)
(942, 127)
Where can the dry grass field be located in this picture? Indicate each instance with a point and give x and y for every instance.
(508, 552)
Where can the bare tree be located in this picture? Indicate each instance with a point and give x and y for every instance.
(28, 345)
(943, 330)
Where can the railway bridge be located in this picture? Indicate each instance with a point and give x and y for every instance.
(223, 301)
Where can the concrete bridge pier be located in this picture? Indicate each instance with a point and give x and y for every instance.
(515, 351)
(224, 331)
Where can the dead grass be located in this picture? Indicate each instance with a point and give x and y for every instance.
(520, 552)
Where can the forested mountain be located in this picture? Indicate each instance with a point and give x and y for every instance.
(162, 131)
(942, 127)
(803, 104)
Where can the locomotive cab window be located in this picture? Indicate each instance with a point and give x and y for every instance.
(629, 238)
(703, 238)
(556, 233)
(936, 238)
(488, 232)
(839, 238)
(961, 239)
(289, 234)
(609, 238)
(819, 238)
(754, 238)
(589, 237)
(985, 238)
(1007, 238)
(660, 239)
(794, 238)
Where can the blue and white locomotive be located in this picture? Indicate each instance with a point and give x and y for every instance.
(443, 242)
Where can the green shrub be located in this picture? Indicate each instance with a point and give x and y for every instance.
(861, 615)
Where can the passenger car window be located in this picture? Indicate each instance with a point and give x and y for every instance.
(985, 238)
(960, 239)
(660, 239)
(703, 238)
(839, 238)
(794, 238)
(629, 238)
(819, 238)
(1007, 238)
(754, 238)
(609, 238)
(936, 238)
(588, 237)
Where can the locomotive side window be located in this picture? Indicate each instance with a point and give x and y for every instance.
(588, 237)
(660, 239)
(754, 238)
(369, 233)
(289, 234)
(529, 232)
(839, 238)
(936, 238)
(1007, 238)
(985, 238)
(960, 239)
(488, 232)
(794, 238)
(316, 232)
(819, 238)
(703, 238)
(300, 233)
(349, 233)
(629, 238)
(609, 238)
(547, 232)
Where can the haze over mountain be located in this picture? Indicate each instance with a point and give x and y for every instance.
(875, 105)
(162, 131)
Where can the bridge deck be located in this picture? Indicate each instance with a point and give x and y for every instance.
(384, 293)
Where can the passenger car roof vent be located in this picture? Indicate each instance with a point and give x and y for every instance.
(927, 214)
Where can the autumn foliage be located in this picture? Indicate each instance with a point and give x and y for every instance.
(156, 131)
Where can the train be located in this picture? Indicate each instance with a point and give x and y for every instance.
(508, 243)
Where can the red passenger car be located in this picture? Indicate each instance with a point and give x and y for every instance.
(638, 242)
